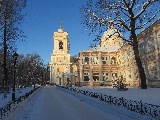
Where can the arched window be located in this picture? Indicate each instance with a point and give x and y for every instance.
(113, 60)
(60, 45)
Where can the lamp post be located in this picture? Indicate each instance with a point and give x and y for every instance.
(15, 55)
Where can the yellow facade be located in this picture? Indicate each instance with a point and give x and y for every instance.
(107, 62)
(61, 68)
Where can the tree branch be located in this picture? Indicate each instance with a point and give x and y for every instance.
(149, 20)
(133, 3)
(144, 6)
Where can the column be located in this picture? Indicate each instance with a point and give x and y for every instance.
(109, 68)
(91, 67)
(100, 66)
(51, 74)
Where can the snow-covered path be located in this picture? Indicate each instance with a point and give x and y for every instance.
(52, 103)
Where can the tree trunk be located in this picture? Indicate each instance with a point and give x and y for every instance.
(142, 74)
(5, 57)
(139, 63)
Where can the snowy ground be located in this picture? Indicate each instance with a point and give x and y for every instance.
(53, 103)
(18, 92)
(149, 95)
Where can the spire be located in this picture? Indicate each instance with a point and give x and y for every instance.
(60, 29)
(61, 24)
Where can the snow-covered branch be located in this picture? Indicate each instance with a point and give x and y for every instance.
(149, 20)
(125, 13)
(144, 6)
(122, 23)
(133, 3)
(126, 4)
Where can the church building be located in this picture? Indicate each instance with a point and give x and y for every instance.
(62, 65)
(113, 59)
(106, 63)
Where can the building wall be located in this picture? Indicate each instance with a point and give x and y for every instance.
(93, 73)
(106, 69)
(149, 47)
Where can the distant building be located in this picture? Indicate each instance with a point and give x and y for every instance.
(62, 65)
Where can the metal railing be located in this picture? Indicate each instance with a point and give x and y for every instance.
(135, 106)
(12, 105)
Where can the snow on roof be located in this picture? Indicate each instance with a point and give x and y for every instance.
(103, 48)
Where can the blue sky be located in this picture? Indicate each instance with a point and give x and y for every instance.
(43, 19)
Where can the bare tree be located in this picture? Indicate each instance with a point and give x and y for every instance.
(11, 17)
(30, 69)
(129, 16)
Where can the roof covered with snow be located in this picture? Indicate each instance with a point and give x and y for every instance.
(103, 49)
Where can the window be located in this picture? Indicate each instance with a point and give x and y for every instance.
(95, 76)
(150, 45)
(142, 48)
(104, 60)
(114, 76)
(86, 60)
(95, 60)
(136, 73)
(105, 76)
(86, 76)
(113, 60)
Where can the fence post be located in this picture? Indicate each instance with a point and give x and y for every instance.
(110, 99)
(101, 97)
(1, 109)
(141, 107)
(122, 100)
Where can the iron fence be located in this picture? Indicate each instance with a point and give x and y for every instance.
(135, 106)
(12, 105)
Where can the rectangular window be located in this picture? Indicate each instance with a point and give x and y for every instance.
(94, 60)
(105, 76)
(96, 76)
(86, 76)
(86, 60)
(104, 60)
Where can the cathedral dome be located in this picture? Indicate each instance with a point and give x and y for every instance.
(112, 36)
(111, 32)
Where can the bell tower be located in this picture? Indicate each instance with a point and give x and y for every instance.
(60, 58)
(61, 42)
